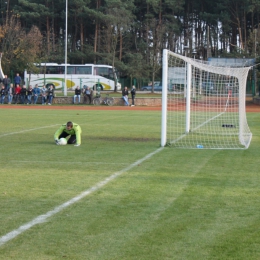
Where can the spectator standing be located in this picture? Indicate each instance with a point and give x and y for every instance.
(36, 94)
(88, 95)
(29, 95)
(44, 94)
(125, 96)
(50, 94)
(17, 94)
(17, 80)
(23, 94)
(2, 93)
(77, 95)
(133, 91)
(10, 94)
(6, 82)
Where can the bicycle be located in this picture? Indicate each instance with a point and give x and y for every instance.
(106, 101)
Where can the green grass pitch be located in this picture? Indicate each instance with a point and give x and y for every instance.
(175, 204)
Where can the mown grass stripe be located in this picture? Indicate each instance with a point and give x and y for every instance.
(42, 218)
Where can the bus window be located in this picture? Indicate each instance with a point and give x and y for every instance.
(70, 69)
(42, 70)
(111, 74)
(61, 69)
(83, 70)
(52, 70)
(102, 71)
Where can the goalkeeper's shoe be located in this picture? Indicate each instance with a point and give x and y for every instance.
(77, 145)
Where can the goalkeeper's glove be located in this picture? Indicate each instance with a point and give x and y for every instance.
(57, 141)
(77, 145)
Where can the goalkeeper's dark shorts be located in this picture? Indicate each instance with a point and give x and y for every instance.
(71, 140)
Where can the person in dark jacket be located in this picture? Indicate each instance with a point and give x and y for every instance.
(23, 94)
(133, 95)
(50, 94)
(77, 95)
(6, 82)
(29, 95)
(125, 96)
(2, 95)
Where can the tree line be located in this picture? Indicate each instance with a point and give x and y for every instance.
(127, 34)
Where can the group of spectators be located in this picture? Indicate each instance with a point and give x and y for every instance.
(15, 93)
(125, 94)
(87, 94)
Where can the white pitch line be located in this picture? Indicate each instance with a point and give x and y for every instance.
(12, 161)
(28, 130)
(42, 218)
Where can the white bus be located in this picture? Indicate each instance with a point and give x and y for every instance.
(90, 75)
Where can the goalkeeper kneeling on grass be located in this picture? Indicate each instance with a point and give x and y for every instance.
(72, 129)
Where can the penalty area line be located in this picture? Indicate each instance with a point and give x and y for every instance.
(67, 162)
(28, 130)
(43, 218)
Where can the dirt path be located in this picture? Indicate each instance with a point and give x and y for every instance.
(250, 107)
(80, 107)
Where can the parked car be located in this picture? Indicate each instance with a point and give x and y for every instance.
(149, 88)
(208, 87)
(157, 88)
(157, 85)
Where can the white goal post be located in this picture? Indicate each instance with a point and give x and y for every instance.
(203, 106)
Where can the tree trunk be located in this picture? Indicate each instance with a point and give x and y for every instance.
(97, 27)
(48, 35)
(81, 38)
(95, 40)
(121, 45)
(146, 36)
(52, 27)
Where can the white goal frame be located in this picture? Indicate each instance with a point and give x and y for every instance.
(198, 108)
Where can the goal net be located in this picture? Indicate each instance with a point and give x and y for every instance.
(203, 106)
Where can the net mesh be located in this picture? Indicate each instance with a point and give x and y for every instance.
(206, 105)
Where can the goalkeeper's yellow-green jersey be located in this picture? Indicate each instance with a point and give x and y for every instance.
(75, 130)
